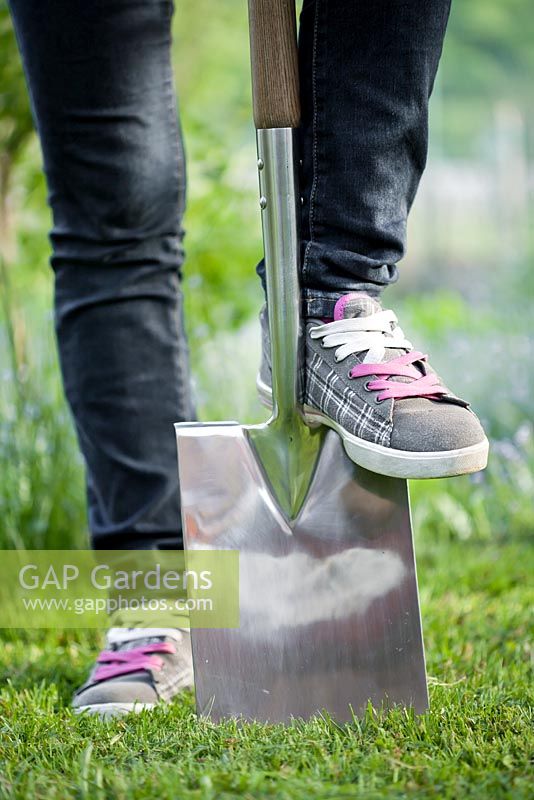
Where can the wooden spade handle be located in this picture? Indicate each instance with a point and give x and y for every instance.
(273, 52)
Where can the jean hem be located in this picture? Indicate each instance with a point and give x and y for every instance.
(321, 303)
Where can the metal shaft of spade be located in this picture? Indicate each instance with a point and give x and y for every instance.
(290, 450)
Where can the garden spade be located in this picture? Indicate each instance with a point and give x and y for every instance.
(328, 600)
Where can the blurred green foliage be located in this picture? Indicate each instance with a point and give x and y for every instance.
(488, 56)
(15, 119)
(489, 50)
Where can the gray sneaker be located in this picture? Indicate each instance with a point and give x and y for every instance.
(393, 413)
(139, 668)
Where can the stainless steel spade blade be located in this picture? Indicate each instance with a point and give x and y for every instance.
(329, 615)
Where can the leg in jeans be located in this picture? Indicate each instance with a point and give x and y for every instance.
(102, 92)
(364, 136)
(101, 84)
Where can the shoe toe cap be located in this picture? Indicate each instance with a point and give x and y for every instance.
(422, 425)
(126, 689)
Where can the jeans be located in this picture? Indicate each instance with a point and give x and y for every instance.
(101, 87)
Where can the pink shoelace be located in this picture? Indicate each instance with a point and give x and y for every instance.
(115, 663)
(427, 386)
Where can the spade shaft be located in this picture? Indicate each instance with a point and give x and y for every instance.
(287, 448)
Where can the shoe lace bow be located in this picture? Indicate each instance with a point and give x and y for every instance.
(376, 334)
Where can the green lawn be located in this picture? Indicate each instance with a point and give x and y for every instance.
(475, 742)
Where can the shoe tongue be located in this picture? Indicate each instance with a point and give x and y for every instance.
(128, 638)
(141, 642)
(359, 304)
(355, 304)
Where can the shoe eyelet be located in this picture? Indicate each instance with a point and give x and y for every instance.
(367, 387)
(379, 402)
(349, 374)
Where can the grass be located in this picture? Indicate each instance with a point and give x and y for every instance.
(474, 743)
(41, 490)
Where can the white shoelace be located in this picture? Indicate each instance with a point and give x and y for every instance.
(374, 333)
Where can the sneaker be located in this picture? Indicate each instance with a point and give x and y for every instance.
(365, 380)
(139, 669)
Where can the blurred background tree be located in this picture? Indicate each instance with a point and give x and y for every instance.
(16, 125)
(489, 50)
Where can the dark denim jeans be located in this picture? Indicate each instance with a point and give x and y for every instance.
(101, 85)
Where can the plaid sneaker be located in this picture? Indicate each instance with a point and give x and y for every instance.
(139, 668)
(365, 380)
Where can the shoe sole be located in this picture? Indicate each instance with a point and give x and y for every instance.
(395, 463)
(109, 710)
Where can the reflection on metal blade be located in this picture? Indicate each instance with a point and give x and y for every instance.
(329, 612)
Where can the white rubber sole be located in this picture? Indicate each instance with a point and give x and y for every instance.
(395, 463)
(109, 710)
